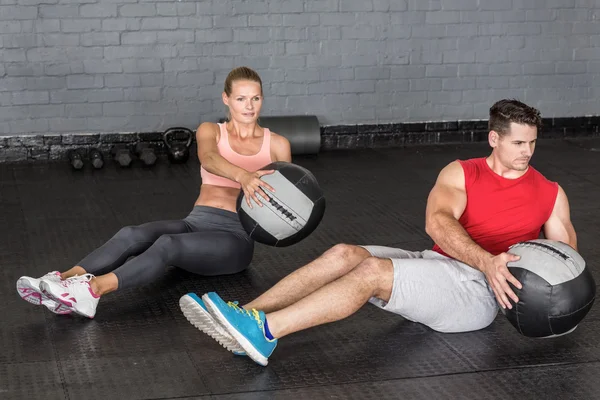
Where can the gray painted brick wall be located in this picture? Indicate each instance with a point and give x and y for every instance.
(142, 65)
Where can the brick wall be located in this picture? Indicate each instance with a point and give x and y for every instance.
(135, 65)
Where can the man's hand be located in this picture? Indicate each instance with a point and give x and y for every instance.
(252, 184)
(498, 276)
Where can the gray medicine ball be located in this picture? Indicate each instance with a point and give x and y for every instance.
(558, 289)
(293, 211)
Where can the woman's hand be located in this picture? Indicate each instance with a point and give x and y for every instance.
(252, 184)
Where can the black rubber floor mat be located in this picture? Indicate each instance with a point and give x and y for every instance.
(128, 377)
(140, 346)
(31, 380)
(501, 346)
(547, 382)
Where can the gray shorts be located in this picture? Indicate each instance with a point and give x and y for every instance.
(437, 291)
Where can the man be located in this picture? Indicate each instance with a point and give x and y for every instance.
(476, 210)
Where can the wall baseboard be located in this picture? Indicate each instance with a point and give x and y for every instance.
(30, 148)
(439, 133)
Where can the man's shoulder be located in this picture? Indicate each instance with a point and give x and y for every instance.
(540, 176)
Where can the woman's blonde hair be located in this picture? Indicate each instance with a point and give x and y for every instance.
(241, 74)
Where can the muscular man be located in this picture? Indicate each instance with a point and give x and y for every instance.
(476, 210)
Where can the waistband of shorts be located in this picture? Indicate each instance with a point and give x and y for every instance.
(198, 210)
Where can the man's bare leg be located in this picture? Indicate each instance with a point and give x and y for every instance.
(333, 264)
(374, 277)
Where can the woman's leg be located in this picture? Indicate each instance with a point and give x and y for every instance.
(204, 253)
(129, 241)
(216, 244)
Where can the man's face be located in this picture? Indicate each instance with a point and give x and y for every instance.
(515, 148)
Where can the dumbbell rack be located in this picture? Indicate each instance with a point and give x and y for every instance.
(124, 155)
(128, 149)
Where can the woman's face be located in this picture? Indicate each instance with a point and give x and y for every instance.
(245, 101)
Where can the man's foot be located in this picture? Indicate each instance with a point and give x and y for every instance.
(247, 327)
(75, 293)
(29, 290)
(195, 311)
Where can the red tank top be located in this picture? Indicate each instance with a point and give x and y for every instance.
(501, 212)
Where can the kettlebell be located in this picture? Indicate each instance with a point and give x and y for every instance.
(178, 152)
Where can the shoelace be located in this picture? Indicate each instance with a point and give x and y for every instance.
(253, 313)
(77, 279)
(237, 309)
(256, 316)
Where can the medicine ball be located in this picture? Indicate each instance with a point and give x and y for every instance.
(558, 290)
(293, 211)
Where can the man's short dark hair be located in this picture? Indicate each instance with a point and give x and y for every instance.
(503, 112)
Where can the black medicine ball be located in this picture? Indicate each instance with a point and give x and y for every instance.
(558, 290)
(293, 211)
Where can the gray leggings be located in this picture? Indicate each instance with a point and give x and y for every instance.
(209, 241)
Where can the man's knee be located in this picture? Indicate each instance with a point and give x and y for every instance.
(348, 252)
(378, 273)
(345, 257)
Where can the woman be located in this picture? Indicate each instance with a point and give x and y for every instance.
(209, 241)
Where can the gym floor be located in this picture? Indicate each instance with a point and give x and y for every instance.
(139, 345)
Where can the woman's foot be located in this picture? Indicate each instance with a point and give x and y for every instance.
(29, 290)
(75, 293)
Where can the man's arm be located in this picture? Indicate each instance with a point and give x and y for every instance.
(208, 154)
(446, 203)
(559, 226)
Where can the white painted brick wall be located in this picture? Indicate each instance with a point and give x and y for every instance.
(144, 65)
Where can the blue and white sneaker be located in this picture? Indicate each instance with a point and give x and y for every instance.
(247, 327)
(195, 311)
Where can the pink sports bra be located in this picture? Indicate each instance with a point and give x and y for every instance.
(249, 163)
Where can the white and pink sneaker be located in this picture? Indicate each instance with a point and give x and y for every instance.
(29, 290)
(75, 293)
